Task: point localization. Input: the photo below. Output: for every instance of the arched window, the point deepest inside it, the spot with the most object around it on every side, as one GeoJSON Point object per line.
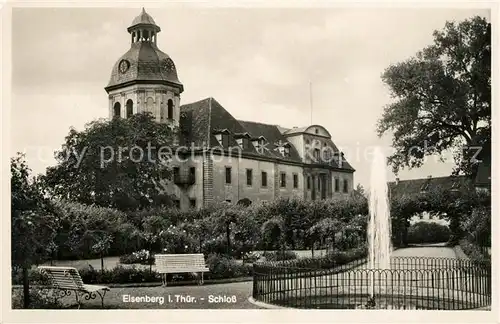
{"type": "Point", "coordinates": [130, 108]}
{"type": "Point", "coordinates": [170, 109]}
{"type": "Point", "coordinates": [116, 109]}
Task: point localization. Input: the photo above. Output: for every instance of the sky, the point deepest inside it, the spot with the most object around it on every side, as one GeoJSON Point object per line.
{"type": "Point", "coordinates": [256, 62]}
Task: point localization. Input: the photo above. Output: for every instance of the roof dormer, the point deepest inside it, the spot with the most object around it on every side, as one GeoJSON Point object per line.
{"type": "Point", "coordinates": [242, 139]}
{"type": "Point", "coordinates": [259, 143]}
{"type": "Point", "coordinates": [283, 148]}
{"type": "Point", "coordinates": [222, 136]}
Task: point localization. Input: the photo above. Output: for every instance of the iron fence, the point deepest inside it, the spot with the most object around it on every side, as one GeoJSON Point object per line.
{"type": "Point", "coordinates": [411, 283]}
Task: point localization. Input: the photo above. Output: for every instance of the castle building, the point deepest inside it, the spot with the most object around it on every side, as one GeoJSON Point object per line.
{"type": "Point", "coordinates": [225, 159]}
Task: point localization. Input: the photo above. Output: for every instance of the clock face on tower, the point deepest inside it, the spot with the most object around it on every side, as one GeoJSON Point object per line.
{"type": "Point", "coordinates": [168, 65]}
{"type": "Point", "coordinates": [124, 65]}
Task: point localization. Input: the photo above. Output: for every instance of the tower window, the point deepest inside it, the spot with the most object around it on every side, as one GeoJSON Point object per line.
{"type": "Point", "coordinates": [130, 108]}
{"type": "Point", "coordinates": [337, 184]}
{"type": "Point", "coordinates": [308, 183]}
{"type": "Point", "coordinates": [116, 109]}
{"type": "Point", "coordinates": [346, 185]}
{"type": "Point", "coordinates": [228, 175]}
{"type": "Point", "coordinates": [170, 109]}
{"type": "Point", "coordinates": [295, 181]}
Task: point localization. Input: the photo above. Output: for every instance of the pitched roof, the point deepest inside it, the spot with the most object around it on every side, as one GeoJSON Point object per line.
{"type": "Point", "coordinates": [415, 186]}
{"type": "Point", "coordinates": [273, 136]}
{"type": "Point", "coordinates": [201, 119]}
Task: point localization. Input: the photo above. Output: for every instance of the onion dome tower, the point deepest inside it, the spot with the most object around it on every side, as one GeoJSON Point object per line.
{"type": "Point", "coordinates": [145, 78]}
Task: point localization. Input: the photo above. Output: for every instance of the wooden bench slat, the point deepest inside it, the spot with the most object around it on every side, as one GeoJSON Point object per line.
{"type": "Point", "coordinates": [180, 263]}
{"type": "Point", "coordinates": [68, 278]}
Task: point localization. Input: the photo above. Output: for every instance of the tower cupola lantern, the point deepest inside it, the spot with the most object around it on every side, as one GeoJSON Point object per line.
{"type": "Point", "coordinates": [144, 79]}
{"type": "Point", "coordinates": [144, 28]}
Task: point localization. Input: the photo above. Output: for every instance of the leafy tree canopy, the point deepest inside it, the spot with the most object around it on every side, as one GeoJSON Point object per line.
{"type": "Point", "coordinates": [33, 221]}
{"type": "Point", "coordinates": [442, 98]}
{"type": "Point", "coordinates": [117, 163]}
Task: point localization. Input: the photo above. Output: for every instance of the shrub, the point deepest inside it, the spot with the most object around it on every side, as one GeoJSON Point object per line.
{"type": "Point", "coordinates": [426, 232]}
{"type": "Point", "coordinates": [216, 245]}
{"type": "Point", "coordinates": [250, 257]}
{"type": "Point", "coordinates": [38, 300]}
{"type": "Point", "coordinates": [473, 251]}
{"type": "Point", "coordinates": [141, 257]}
{"type": "Point", "coordinates": [222, 266]}
{"type": "Point", "coordinates": [331, 260]}
{"type": "Point", "coordinates": [279, 255]}
{"type": "Point", "coordinates": [119, 275]}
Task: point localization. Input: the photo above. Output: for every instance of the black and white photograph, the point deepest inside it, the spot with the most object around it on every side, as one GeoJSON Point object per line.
{"type": "Point", "coordinates": [194, 156]}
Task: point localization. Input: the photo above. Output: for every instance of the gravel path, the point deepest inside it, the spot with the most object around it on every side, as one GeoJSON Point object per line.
{"type": "Point", "coordinates": [231, 295]}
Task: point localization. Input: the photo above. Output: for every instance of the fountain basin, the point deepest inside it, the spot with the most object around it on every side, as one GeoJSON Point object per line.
{"type": "Point", "coordinates": [411, 283]}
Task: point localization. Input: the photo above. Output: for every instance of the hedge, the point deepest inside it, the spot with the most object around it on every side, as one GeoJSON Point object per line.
{"type": "Point", "coordinates": [221, 267]}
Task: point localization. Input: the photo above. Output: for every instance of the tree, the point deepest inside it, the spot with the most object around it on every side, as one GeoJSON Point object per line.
{"type": "Point", "coordinates": [33, 222]}
{"type": "Point", "coordinates": [88, 231]}
{"type": "Point", "coordinates": [359, 191]}
{"type": "Point", "coordinates": [442, 98]}
{"type": "Point", "coordinates": [119, 163]}
{"type": "Point", "coordinates": [153, 228]}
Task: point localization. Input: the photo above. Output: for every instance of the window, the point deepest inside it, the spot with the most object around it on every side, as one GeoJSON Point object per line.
{"type": "Point", "coordinates": [316, 130]}
{"type": "Point", "coordinates": [116, 109]}
{"type": "Point", "coordinates": [228, 175]}
{"type": "Point", "coordinates": [170, 109]}
{"type": "Point", "coordinates": [283, 180]}
{"type": "Point", "coordinates": [295, 181]}
{"type": "Point", "coordinates": [192, 173]}
{"type": "Point", "coordinates": [249, 177]}
{"type": "Point", "coordinates": [317, 156]}
{"type": "Point", "coordinates": [192, 203]}
{"type": "Point", "coordinates": [130, 108]}
{"type": "Point", "coordinates": [346, 185]}
{"type": "Point", "coordinates": [308, 183]}
{"type": "Point", "coordinates": [337, 184]}
{"type": "Point", "coordinates": [286, 152]}
{"type": "Point", "coordinates": [264, 179]}
{"type": "Point", "coordinates": [225, 140]}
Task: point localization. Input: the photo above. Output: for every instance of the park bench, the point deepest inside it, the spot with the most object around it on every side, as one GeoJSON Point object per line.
{"type": "Point", "coordinates": [180, 263]}
{"type": "Point", "coordinates": [67, 279]}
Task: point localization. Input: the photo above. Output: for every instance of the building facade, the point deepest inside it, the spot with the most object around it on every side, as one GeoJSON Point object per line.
{"type": "Point", "coordinates": [223, 159]}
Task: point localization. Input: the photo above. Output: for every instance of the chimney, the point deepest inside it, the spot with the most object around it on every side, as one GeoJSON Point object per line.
{"type": "Point", "coordinates": [397, 181]}
{"type": "Point", "coordinates": [429, 177]}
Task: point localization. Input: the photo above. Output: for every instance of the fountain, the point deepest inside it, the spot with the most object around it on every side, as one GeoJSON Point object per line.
{"type": "Point", "coordinates": [379, 224]}
{"type": "Point", "coordinates": [380, 281]}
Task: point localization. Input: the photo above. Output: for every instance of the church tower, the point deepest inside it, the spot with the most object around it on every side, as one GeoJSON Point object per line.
{"type": "Point", "coordinates": [145, 78]}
